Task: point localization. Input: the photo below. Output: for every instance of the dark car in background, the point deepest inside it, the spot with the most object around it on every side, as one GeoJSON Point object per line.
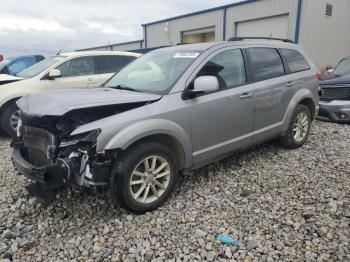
{"type": "Point", "coordinates": [335, 94]}
{"type": "Point", "coordinates": [10, 67]}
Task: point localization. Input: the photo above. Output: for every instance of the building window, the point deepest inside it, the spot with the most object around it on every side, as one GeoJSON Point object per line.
{"type": "Point", "coordinates": [198, 36]}
{"type": "Point", "coordinates": [329, 10]}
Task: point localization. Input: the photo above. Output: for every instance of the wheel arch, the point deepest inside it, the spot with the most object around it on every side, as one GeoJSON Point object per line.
{"type": "Point", "coordinates": [4, 105]}
{"type": "Point", "coordinates": [304, 97]}
{"type": "Point", "coordinates": [165, 131]}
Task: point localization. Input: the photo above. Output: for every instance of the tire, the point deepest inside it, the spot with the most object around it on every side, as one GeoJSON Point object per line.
{"type": "Point", "coordinates": [128, 168]}
{"type": "Point", "coordinates": [291, 139]}
{"type": "Point", "coordinates": [5, 120]}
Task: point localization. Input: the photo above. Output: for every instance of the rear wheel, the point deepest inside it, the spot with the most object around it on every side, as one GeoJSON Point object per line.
{"type": "Point", "coordinates": [299, 128]}
{"type": "Point", "coordinates": [144, 177]}
{"type": "Point", "coordinates": [9, 119]}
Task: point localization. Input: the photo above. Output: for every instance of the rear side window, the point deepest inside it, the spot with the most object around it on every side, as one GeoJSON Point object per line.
{"type": "Point", "coordinates": [265, 63]}
{"type": "Point", "coordinates": [294, 60]}
{"type": "Point", "coordinates": [112, 64]}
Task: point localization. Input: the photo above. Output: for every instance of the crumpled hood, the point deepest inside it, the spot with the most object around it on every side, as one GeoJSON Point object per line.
{"type": "Point", "coordinates": [336, 81]}
{"type": "Point", "coordinates": [60, 102]}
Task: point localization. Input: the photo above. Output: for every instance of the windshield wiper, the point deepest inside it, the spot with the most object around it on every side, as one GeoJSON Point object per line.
{"type": "Point", "coordinates": [123, 87]}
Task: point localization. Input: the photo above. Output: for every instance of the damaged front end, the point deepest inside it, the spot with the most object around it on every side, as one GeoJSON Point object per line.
{"type": "Point", "coordinates": [46, 152]}
{"type": "Point", "coordinates": [55, 159]}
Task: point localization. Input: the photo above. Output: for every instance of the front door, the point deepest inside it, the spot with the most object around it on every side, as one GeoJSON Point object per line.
{"type": "Point", "coordinates": [222, 121]}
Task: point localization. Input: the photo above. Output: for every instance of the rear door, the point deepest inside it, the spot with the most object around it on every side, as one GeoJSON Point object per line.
{"type": "Point", "coordinates": [108, 65]}
{"type": "Point", "coordinates": [77, 72]}
{"type": "Point", "coordinates": [272, 95]}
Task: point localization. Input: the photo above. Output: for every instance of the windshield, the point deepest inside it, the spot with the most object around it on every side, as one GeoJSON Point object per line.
{"type": "Point", "coordinates": [343, 68]}
{"type": "Point", "coordinates": [40, 67]}
{"type": "Point", "coordinates": [155, 72]}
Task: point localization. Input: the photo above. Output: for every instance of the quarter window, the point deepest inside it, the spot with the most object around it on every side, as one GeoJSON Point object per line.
{"type": "Point", "coordinates": [78, 67]}
{"type": "Point", "coordinates": [265, 63]}
{"type": "Point", "coordinates": [112, 64]}
{"type": "Point", "coordinates": [228, 67]}
{"type": "Point", "coordinates": [295, 61]}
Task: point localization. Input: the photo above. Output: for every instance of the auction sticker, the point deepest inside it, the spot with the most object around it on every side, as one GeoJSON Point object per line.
{"type": "Point", "coordinates": [186, 55]}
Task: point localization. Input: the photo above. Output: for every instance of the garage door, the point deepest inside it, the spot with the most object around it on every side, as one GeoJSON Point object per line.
{"type": "Point", "coordinates": [277, 26]}
{"type": "Point", "coordinates": [198, 36]}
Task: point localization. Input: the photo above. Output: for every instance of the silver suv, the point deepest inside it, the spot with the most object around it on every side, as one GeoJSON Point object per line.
{"type": "Point", "coordinates": [169, 112]}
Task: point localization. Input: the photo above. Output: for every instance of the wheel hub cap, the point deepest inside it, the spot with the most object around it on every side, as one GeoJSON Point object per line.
{"type": "Point", "coordinates": [149, 179]}
{"type": "Point", "coordinates": [300, 127]}
{"type": "Point", "coordinates": [14, 120]}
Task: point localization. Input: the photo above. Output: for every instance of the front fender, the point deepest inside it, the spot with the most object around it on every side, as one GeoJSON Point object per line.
{"type": "Point", "coordinates": [298, 97]}
{"type": "Point", "coordinates": [145, 128]}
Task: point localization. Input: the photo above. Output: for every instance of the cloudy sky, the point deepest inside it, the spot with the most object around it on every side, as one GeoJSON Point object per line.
{"type": "Point", "coordinates": [45, 26]}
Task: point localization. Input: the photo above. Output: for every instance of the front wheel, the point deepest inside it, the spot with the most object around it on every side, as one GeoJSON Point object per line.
{"type": "Point", "coordinates": [299, 128]}
{"type": "Point", "coordinates": [144, 177]}
{"type": "Point", "coordinates": [9, 119]}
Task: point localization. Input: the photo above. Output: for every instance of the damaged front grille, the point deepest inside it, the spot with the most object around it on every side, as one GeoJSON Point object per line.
{"type": "Point", "coordinates": [39, 144]}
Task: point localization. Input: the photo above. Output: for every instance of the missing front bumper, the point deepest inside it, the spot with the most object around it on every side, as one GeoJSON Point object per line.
{"type": "Point", "coordinates": [63, 172]}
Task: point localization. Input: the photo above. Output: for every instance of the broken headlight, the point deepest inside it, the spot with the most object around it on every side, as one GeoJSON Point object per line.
{"type": "Point", "coordinates": [87, 138]}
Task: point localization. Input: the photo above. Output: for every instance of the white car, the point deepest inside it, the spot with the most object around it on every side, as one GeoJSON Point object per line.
{"type": "Point", "coordinates": [67, 70]}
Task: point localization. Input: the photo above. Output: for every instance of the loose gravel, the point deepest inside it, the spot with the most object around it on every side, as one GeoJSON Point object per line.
{"type": "Point", "coordinates": [279, 204]}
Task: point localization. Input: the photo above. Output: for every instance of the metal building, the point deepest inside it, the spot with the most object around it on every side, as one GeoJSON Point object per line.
{"type": "Point", "coordinates": [319, 25]}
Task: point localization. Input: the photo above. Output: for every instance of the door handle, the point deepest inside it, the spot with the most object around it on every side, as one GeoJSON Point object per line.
{"type": "Point", "coordinates": [246, 95]}
{"type": "Point", "coordinates": [290, 83]}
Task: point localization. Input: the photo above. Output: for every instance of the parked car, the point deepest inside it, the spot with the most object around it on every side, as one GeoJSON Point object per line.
{"type": "Point", "coordinates": [9, 68]}
{"type": "Point", "coordinates": [335, 94]}
{"type": "Point", "coordinates": [69, 70]}
{"type": "Point", "coordinates": [172, 110]}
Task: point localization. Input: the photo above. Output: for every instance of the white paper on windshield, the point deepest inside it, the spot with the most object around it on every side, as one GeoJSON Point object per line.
{"type": "Point", "coordinates": [186, 55]}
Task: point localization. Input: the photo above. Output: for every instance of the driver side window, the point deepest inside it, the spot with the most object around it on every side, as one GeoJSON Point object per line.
{"type": "Point", "coordinates": [227, 67]}
{"type": "Point", "coordinates": [78, 67]}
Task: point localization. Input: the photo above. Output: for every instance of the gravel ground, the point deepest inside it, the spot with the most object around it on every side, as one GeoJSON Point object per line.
{"type": "Point", "coordinates": [279, 204]}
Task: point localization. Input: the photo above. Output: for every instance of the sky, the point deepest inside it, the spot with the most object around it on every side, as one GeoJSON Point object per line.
{"type": "Point", "coordinates": [46, 26]}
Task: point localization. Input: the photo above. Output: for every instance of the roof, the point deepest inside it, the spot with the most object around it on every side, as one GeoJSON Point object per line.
{"type": "Point", "coordinates": [81, 53]}
{"type": "Point", "coordinates": [242, 2]}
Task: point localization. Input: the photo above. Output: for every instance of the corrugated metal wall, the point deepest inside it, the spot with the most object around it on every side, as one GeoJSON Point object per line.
{"type": "Point", "coordinates": [325, 39]}
{"type": "Point", "coordinates": [158, 35]}
{"type": "Point", "coordinates": [126, 47]}
{"type": "Point", "coordinates": [261, 9]}
{"type": "Point", "coordinates": [116, 47]}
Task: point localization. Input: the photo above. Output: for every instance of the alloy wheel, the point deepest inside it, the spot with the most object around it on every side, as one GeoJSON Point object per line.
{"type": "Point", "coordinates": [14, 120]}
{"type": "Point", "coordinates": [300, 127]}
{"type": "Point", "coordinates": [150, 179]}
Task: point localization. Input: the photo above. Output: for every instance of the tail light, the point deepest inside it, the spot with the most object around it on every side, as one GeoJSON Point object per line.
{"type": "Point", "coordinates": [319, 75]}
{"type": "Point", "coordinates": [1, 57]}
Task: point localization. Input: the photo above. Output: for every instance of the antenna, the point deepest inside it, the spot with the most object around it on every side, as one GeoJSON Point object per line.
{"type": "Point", "coordinates": [270, 36]}
{"type": "Point", "coordinates": [59, 51]}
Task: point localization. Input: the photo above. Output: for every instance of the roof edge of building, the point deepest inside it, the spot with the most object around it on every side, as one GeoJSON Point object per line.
{"type": "Point", "coordinates": [201, 12]}
{"type": "Point", "coordinates": [117, 44]}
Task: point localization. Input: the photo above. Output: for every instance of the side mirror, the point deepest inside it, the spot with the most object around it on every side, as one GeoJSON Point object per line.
{"type": "Point", "coordinates": [54, 73]}
{"type": "Point", "coordinates": [202, 85]}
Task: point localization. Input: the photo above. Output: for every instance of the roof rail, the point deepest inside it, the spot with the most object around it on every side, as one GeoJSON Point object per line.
{"type": "Point", "coordinates": [265, 38]}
